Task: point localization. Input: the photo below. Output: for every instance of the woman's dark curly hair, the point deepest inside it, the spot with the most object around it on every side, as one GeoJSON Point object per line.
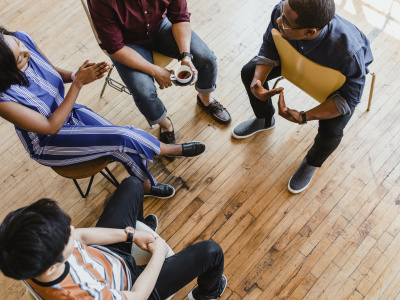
{"type": "Point", "coordinates": [9, 72]}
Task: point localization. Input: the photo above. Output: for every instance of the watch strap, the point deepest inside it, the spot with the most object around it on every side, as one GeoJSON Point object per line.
{"type": "Point", "coordinates": [303, 117]}
{"type": "Point", "coordinates": [129, 234]}
{"type": "Point", "coordinates": [183, 54]}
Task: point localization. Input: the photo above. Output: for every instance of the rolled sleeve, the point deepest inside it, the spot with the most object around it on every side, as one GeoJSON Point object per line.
{"type": "Point", "coordinates": [261, 60]}
{"type": "Point", "coordinates": [107, 28]}
{"type": "Point", "coordinates": [177, 11]}
{"type": "Point", "coordinates": [341, 105]}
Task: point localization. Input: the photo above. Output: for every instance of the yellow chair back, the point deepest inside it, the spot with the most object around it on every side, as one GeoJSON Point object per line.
{"type": "Point", "coordinates": [159, 59]}
{"type": "Point", "coordinates": [314, 79]}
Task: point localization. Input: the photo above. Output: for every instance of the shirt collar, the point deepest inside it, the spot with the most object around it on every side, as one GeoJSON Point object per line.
{"type": "Point", "coordinates": [308, 45]}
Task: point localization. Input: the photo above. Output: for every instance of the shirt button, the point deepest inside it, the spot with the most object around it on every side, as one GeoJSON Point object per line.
{"type": "Point", "coordinates": [148, 25]}
{"type": "Point", "coordinates": [145, 12]}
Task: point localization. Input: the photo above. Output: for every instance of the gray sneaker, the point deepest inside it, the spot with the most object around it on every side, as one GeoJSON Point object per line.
{"type": "Point", "coordinates": [301, 178]}
{"type": "Point", "coordinates": [248, 128]}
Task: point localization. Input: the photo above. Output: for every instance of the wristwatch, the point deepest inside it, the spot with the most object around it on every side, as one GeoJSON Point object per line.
{"type": "Point", "coordinates": [130, 232]}
{"type": "Point", "coordinates": [303, 117]}
{"type": "Point", "coordinates": [183, 54]}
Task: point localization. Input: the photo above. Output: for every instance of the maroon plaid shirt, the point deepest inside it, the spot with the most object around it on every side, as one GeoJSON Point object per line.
{"type": "Point", "coordinates": [120, 22]}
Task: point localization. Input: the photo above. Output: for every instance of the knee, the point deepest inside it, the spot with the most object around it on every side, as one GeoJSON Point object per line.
{"type": "Point", "coordinates": [212, 249]}
{"type": "Point", "coordinates": [132, 183]}
{"type": "Point", "coordinates": [247, 73]}
{"type": "Point", "coordinates": [330, 133]}
{"type": "Point", "coordinates": [206, 60]}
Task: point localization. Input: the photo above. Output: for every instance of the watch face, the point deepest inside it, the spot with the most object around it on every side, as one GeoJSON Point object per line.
{"type": "Point", "coordinates": [130, 229]}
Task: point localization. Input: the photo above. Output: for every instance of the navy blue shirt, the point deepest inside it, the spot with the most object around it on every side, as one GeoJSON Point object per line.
{"type": "Point", "coordinates": [340, 46]}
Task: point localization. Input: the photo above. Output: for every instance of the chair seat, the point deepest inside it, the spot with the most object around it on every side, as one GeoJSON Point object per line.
{"type": "Point", "coordinates": [84, 169]}
{"type": "Point", "coordinates": [161, 60]}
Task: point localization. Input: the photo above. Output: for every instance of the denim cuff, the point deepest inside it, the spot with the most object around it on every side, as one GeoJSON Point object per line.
{"type": "Point", "coordinates": [206, 91]}
{"type": "Point", "coordinates": [159, 119]}
{"type": "Point", "coordinates": [341, 105]}
{"type": "Point", "coordinates": [261, 60]}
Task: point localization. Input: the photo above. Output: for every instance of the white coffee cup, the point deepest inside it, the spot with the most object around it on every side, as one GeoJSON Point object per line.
{"type": "Point", "coordinates": [182, 74]}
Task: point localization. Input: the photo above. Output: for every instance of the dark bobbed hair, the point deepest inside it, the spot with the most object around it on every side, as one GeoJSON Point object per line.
{"type": "Point", "coordinates": [32, 239]}
{"type": "Point", "coordinates": [9, 72]}
{"type": "Point", "coordinates": [313, 13]}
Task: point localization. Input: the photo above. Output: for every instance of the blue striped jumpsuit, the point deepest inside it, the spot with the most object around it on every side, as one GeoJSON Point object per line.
{"type": "Point", "coordinates": [85, 135]}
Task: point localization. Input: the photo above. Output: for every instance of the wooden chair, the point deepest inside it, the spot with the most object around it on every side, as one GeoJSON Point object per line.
{"type": "Point", "coordinates": [159, 59]}
{"type": "Point", "coordinates": [142, 257]}
{"type": "Point", "coordinates": [87, 169]}
{"type": "Point", "coordinates": [316, 80]}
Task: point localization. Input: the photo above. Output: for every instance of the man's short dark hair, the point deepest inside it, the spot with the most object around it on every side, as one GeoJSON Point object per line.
{"type": "Point", "coordinates": [9, 72]}
{"type": "Point", "coordinates": [32, 239]}
{"type": "Point", "coordinates": [313, 13]}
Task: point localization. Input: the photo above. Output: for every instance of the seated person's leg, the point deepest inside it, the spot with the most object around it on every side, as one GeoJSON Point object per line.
{"type": "Point", "coordinates": [263, 110]}
{"type": "Point", "coordinates": [124, 209]}
{"type": "Point", "coordinates": [142, 87]}
{"type": "Point", "coordinates": [204, 61]}
{"type": "Point", "coordinates": [330, 133]}
{"type": "Point", "coordinates": [204, 260]}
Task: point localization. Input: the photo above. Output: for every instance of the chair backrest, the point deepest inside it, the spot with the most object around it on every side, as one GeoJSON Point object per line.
{"type": "Point", "coordinates": [159, 59]}
{"type": "Point", "coordinates": [316, 80]}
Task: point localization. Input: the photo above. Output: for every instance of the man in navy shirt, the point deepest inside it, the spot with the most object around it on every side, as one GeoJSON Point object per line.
{"type": "Point", "coordinates": [314, 30]}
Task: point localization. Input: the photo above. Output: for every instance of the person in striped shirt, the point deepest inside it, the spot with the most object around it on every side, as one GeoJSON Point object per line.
{"type": "Point", "coordinates": [56, 261]}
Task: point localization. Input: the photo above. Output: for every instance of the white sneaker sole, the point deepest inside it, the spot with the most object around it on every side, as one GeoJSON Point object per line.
{"type": "Point", "coordinates": [297, 191]}
{"type": "Point", "coordinates": [158, 197]}
{"type": "Point", "coordinates": [241, 137]}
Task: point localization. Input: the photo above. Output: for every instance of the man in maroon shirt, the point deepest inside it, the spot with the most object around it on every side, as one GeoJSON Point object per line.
{"type": "Point", "coordinates": [130, 30]}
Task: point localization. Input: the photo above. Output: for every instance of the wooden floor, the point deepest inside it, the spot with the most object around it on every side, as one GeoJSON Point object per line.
{"type": "Point", "coordinates": [340, 239]}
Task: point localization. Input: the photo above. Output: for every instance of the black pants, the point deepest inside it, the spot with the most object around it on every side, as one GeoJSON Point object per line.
{"type": "Point", "coordinates": [330, 132]}
{"type": "Point", "coordinates": [204, 260]}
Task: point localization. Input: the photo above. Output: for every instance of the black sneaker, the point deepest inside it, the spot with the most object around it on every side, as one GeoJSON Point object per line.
{"type": "Point", "coordinates": [195, 294]}
{"type": "Point", "coordinates": [161, 191]}
{"type": "Point", "coordinates": [151, 221]}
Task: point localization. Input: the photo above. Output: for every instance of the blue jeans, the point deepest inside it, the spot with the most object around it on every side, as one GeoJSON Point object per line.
{"type": "Point", "coordinates": [142, 85]}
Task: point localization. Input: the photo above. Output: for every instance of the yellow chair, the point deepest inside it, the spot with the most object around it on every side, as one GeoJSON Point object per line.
{"type": "Point", "coordinates": [316, 80]}
{"type": "Point", "coordinates": [159, 59]}
{"type": "Point", "coordinates": [142, 257]}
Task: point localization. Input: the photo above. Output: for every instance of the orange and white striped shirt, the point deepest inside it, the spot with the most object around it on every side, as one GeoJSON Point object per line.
{"type": "Point", "coordinates": [92, 272]}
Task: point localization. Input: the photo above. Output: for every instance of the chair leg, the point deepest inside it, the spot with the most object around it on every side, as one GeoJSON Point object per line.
{"type": "Point", "coordinates": [106, 82]}
{"type": "Point", "coordinates": [277, 81]}
{"type": "Point", "coordinates": [88, 188]}
{"type": "Point", "coordinates": [113, 180]}
{"type": "Point", "coordinates": [371, 92]}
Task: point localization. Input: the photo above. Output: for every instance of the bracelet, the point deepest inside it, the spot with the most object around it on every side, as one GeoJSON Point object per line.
{"type": "Point", "coordinates": [73, 75]}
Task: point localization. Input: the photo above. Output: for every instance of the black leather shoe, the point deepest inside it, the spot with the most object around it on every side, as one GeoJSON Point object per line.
{"type": "Point", "coordinates": [193, 149]}
{"type": "Point", "coordinates": [161, 191]}
{"type": "Point", "coordinates": [216, 111]}
{"type": "Point", "coordinates": [168, 137]}
{"type": "Point", "coordinates": [151, 221]}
